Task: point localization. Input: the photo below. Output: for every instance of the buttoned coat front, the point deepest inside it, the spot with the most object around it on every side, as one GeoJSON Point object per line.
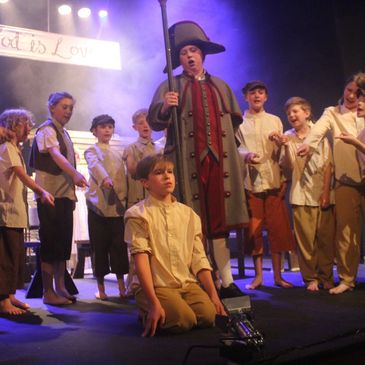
{"type": "Point", "coordinates": [229, 117]}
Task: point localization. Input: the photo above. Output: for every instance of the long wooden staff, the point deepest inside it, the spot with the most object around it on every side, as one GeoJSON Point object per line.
{"type": "Point", "coordinates": [175, 125]}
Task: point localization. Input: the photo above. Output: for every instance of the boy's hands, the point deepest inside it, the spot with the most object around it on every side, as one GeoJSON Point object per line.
{"type": "Point", "coordinates": [156, 316]}
{"type": "Point", "coordinates": [107, 183]}
{"type": "Point", "coordinates": [79, 180]}
{"type": "Point", "coordinates": [47, 198]}
{"type": "Point", "coordinates": [348, 138]}
{"type": "Point", "coordinates": [278, 138]}
{"type": "Point", "coordinates": [303, 150]}
{"type": "Point", "coordinates": [218, 305]}
{"type": "Point", "coordinates": [324, 200]}
{"type": "Point", "coordinates": [252, 158]}
{"type": "Point", "coordinates": [171, 98]}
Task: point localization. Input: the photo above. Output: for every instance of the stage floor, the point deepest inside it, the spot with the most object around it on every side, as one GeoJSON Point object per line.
{"type": "Point", "coordinates": [300, 327]}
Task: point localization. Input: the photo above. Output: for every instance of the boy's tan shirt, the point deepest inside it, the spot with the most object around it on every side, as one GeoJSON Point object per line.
{"type": "Point", "coordinates": [171, 235]}
{"type": "Point", "coordinates": [307, 173]}
{"type": "Point", "coordinates": [254, 134]}
{"type": "Point", "coordinates": [337, 120]}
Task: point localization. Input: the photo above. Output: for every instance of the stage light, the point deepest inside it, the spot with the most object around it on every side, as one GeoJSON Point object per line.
{"type": "Point", "coordinates": [64, 9]}
{"type": "Point", "coordinates": [103, 13]}
{"type": "Point", "coordinates": [3, 1]}
{"type": "Point", "coordinates": [84, 12]}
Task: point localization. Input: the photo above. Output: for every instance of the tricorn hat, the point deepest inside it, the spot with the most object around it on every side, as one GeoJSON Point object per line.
{"type": "Point", "coordinates": [185, 33]}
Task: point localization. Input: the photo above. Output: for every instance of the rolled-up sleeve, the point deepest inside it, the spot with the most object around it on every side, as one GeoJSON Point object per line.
{"type": "Point", "coordinates": [136, 235]}
{"type": "Point", "coordinates": [199, 260]}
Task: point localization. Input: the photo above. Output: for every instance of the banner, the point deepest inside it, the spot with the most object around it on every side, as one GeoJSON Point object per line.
{"type": "Point", "coordinates": [51, 47]}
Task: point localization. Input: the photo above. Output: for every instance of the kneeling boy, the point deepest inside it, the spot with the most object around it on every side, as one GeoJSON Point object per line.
{"type": "Point", "coordinates": [165, 241]}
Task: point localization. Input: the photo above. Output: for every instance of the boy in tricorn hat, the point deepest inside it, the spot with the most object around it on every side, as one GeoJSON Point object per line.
{"type": "Point", "coordinates": [208, 115]}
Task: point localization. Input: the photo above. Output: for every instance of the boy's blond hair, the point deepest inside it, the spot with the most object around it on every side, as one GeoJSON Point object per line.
{"type": "Point", "coordinates": [139, 113]}
{"type": "Point", "coordinates": [11, 118]}
{"type": "Point", "coordinates": [303, 103]}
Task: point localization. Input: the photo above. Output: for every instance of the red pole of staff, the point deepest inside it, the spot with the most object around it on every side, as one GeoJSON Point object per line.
{"type": "Point", "coordinates": [175, 125]}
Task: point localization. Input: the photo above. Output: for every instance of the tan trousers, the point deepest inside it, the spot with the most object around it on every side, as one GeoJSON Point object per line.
{"type": "Point", "coordinates": [314, 230]}
{"type": "Point", "coordinates": [185, 308]}
{"type": "Point", "coordinates": [350, 205]}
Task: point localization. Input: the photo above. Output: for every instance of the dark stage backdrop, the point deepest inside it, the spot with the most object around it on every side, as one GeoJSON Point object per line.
{"type": "Point", "coordinates": [305, 48]}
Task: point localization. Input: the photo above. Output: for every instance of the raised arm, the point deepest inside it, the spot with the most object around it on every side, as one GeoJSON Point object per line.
{"type": "Point", "coordinates": [318, 131]}
{"type": "Point", "coordinates": [350, 139]}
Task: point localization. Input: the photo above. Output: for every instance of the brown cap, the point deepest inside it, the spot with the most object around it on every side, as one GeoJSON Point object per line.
{"type": "Point", "coordinates": [102, 119]}
{"type": "Point", "coordinates": [252, 85]}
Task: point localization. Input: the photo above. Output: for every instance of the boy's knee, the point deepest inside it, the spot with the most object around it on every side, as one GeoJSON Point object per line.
{"type": "Point", "coordinates": [206, 317]}
{"type": "Point", "coordinates": [183, 321]}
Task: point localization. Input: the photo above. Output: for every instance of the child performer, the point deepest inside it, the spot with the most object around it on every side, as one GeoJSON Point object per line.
{"type": "Point", "coordinates": [13, 207]}
{"type": "Point", "coordinates": [264, 184]}
{"type": "Point", "coordinates": [165, 241]}
{"type": "Point", "coordinates": [135, 152]}
{"type": "Point", "coordinates": [208, 115]}
{"type": "Point", "coordinates": [106, 199]}
{"type": "Point", "coordinates": [311, 197]}
{"type": "Point", "coordinates": [53, 158]}
{"type": "Point", "coordinates": [359, 141]}
{"type": "Point", "coordinates": [349, 197]}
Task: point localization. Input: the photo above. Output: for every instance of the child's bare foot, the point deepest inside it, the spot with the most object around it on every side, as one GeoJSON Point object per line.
{"type": "Point", "coordinates": [339, 289]}
{"type": "Point", "coordinates": [255, 284]}
{"type": "Point", "coordinates": [284, 284]}
{"type": "Point", "coordinates": [313, 286]}
{"type": "Point", "coordinates": [54, 299]}
{"type": "Point", "coordinates": [18, 303]}
{"type": "Point", "coordinates": [64, 293]}
{"type": "Point", "coordinates": [101, 295]}
{"type": "Point", "coordinates": [6, 307]}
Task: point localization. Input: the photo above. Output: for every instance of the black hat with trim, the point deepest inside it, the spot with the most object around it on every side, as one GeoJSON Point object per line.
{"type": "Point", "coordinates": [186, 33]}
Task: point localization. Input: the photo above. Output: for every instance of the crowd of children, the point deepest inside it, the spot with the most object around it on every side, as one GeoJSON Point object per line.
{"type": "Point", "coordinates": [173, 247]}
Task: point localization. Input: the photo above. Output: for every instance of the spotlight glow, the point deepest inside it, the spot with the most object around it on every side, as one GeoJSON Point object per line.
{"type": "Point", "coordinates": [84, 12]}
{"type": "Point", "coordinates": [103, 13]}
{"type": "Point", "coordinates": [64, 9]}
{"type": "Point", "coordinates": [3, 1]}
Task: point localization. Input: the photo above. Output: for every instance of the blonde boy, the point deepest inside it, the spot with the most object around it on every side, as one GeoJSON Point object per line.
{"type": "Point", "coordinates": [311, 197]}
{"type": "Point", "coordinates": [135, 152]}
{"type": "Point", "coordinates": [165, 241]}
